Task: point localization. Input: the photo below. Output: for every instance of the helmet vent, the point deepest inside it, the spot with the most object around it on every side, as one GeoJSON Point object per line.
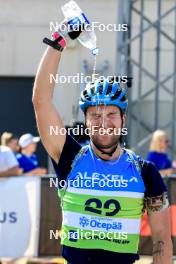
{"type": "Point", "coordinates": [85, 94]}
{"type": "Point", "coordinates": [109, 90]}
{"type": "Point", "coordinates": [101, 89]}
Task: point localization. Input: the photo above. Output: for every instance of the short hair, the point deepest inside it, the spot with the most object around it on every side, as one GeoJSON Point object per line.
{"type": "Point", "coordinates": [157, 136]}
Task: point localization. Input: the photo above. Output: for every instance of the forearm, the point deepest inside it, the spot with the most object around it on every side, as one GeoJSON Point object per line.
{"type": "Point", "coordinates": [163, 172]}
{"type": "Point", "coordinates": [11, 172]}
{"type": "Point", "coordinates": [167, 172]}
{"type": "Point", "coordinates": [162, 250]}
{"type": "Point", "coordinates": [43, 88]}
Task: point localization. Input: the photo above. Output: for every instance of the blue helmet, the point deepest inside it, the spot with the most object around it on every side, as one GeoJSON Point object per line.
{"type": "Point", "coordinates": [104, 91]}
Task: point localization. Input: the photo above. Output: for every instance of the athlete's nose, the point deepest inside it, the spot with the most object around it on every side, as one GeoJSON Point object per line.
{"type": "Point", "coordinates": [104, 121]}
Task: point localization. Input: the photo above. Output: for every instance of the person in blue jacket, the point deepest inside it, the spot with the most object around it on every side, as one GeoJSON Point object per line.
{"type": "Point", "coordinates": [157, 153]}
{"type": "Point", "coordinates": [27, 158]}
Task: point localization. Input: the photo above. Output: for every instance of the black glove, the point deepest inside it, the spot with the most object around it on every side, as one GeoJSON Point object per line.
{"type": "Point", "coordinates": [74, 34]}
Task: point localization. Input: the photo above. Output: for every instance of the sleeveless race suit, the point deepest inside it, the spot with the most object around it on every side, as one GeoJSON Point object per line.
{"type": "Point", "coordinates": [103, 203]}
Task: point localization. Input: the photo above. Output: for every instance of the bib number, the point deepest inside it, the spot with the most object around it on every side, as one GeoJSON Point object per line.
{"type": "Point", "coordinates": [94, 205]}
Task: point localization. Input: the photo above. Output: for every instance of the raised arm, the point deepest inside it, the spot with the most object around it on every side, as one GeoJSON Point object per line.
{"type": "Point", "coordinates": [45, 111]}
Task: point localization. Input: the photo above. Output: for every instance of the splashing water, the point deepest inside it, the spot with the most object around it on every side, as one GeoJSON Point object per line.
{"type": "Point", "coordinates": [94, 68]}
{"type": "Point", "coordinates": [94, 77]}
{"type": "Point", "coordinates": [95, 52]}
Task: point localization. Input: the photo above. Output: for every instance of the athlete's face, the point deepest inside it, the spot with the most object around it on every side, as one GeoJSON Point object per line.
{"type": "Point", "coordinates": [105, 123]}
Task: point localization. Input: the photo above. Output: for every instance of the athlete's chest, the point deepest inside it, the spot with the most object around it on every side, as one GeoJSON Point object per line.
{"type": "Point", "coordinates": [92, 173]}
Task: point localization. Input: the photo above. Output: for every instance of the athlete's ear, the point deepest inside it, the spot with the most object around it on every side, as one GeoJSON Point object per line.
{"type": "Point", "coordinates": [85, 121]}
{"type": "Point", "coordinates": [124, 118]}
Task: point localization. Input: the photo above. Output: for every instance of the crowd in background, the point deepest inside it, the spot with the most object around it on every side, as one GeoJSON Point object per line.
{"type": "Point", "coordinates": [18, 157]}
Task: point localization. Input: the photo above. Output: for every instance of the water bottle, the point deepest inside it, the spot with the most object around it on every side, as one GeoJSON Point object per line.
{"type": "Point", "coordinates": [75, 17]}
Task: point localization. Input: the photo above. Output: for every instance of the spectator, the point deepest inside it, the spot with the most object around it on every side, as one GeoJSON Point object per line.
{"type": "Point", "coordinates": [10, 140]}
{"type": "Point", "coordinates": [8, 163]}
{"type": "Point", "coordinates": [27, 159]}
{"type": "Point", "coordinates": [157, 153]}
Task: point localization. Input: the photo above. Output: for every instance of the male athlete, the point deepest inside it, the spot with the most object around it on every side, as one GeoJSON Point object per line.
{"type": "Point", "coordinates": [108, 187]}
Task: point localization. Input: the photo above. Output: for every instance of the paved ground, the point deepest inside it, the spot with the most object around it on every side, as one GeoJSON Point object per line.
{"type": "Point", "coordinates": [143, 260]}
